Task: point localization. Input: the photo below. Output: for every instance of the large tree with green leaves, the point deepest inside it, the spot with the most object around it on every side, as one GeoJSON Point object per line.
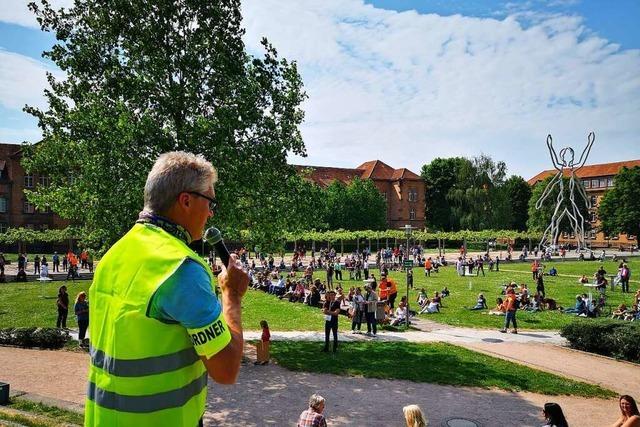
{"type": "Point", "coordinates": [357, 206]}
{"type": "Point", "coordinates": [146, 77]}
{"type": "Point", "coordinates": [539, 219]}
{"type": "Point", "coordinates": [619, 209]}
{"type": "Point", "coordinates": [440, 177]}
{"type": "Point", "coordinates": [517, 192]}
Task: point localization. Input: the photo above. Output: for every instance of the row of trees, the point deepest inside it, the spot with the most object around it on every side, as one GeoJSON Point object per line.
{"type": "Point", "coordinates": [474, 194]}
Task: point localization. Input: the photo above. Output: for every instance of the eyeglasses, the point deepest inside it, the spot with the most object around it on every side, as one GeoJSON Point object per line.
{"type": "Point", "coordinates": [213, 203]}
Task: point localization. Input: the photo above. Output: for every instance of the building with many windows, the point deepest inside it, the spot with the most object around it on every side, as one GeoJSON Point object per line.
{"type": "Point", "coordinates": [597, 179]}
{"type": "Point", "coordinates": [15, 209]}
{"type": "Point", "coordinates": [403, 189]}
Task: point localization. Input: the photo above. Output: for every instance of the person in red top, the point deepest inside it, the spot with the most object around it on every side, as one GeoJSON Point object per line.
{"type": "Point", "coordinates": [393, 292]}
{"type": "Point", "coordinates": [312, 417]}
{"type": "Point", "coordinates": [428, 266]}
{"type": "Point", "coordinates": [262, 349]}
{"type": "Point", "coordinates": [534, 269]}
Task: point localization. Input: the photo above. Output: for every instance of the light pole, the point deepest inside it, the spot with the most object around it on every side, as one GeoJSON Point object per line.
{"type": "Point", "coordinates": [408, 264]}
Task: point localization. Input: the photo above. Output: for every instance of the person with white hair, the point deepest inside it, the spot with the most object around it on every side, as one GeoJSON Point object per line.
{"type": "Point", "coordinates": [312, 416]}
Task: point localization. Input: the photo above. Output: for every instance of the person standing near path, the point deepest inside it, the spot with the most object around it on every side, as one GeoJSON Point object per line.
{"type": "Point", "coordinates": [510, 311]}
{"type": "Point", "coordinates": [630, 416]}
{"type": "Point", "coordinates": [371, 301]}
{"type": "Point", "coordinates": [540, 286]}
{"type": "Point", "coordinates": [56, 262]}
{"type": "Point", "coordinates": [312, 417]}
{"type": "Point", "coordinates": [81, 308]}
{"type": "Point", "coordinates": [554, 416]}
{"type": "Point", "coordinates": [625, 274]}
{"type": "Point", "coordinates": [63, 307]}
{"type": "Point", "coordinates": [263, 345]}
{"type": "Point", "coordinates": [331, 310]}
{"type": "Point", "coordinates": [157, 328]}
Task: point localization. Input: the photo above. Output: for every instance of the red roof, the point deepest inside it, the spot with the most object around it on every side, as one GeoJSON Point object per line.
{"type": "Point", "coordinates": [589, 171]}
{"type": "Point", "coordinates": [374, 169]}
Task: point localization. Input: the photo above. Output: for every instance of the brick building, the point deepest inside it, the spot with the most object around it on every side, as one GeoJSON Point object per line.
{"type": "Point", "coordinates": [403, 189]}
{"type": "Point", "coordinates": [597, 179]}
{"type": "Point", "coordinates": [15, 210]}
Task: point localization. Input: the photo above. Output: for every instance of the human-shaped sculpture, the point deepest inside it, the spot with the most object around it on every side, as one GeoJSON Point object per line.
{"type": "Point", "coordinates": [566, 165]}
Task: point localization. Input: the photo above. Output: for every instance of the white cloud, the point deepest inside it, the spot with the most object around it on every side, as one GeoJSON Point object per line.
{"type": "Point", "coordinates": [407, 87]}
{"type": "Point", "coordinates": [17, 12]}
{"type": "Point", "coordinates": [22, 80]}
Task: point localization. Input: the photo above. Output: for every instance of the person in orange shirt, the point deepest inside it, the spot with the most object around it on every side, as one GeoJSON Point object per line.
{"type": "Point", "coordinates": [391, 289]}
{"type": "Point", "coordinates": [383, 288]}
{"type": "Point", "coordinates": [510, 309]}
{"type": "Point", "coordinates": [534, 269]}
{"type": "Point", "coordinates": [428, 266]}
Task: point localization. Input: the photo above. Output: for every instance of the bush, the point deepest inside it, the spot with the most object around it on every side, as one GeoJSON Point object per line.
{"type": "Point", "coordinates": [50, 338]}
{"type": "Point", "coordinates": [607, 337]}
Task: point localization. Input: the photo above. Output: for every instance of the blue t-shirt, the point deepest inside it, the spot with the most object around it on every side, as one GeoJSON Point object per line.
{"type": "Point", "coordinates": [187, 298]}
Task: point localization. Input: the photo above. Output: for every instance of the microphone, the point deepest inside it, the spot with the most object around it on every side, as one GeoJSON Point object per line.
{"type": "Point", "coordinates": [214, 237]}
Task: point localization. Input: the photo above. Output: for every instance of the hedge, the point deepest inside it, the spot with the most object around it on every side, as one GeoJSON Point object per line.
{"type": "Point", "coordinates": [608, 337]}
{"type": "Point", "coordinates": [49, 338]}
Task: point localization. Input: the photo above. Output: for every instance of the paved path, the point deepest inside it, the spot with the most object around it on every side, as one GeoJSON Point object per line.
{"type": "Point", "coordinates": [271, 395]}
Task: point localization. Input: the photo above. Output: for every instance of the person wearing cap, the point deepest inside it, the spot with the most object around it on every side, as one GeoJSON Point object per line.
{"type": "Point", "coordinates": [510, 309]}
{"type": "Point", "coordinates": [331, 310]}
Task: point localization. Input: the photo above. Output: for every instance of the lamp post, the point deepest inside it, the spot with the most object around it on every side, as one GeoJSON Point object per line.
{"type": "Point", "coordinates": [408, 263]}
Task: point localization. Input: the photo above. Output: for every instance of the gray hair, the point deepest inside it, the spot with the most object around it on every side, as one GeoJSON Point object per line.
{"type": "Point", "coordinates": [174, 173]}
{"type": "Point", "coordinates": [315, 401]}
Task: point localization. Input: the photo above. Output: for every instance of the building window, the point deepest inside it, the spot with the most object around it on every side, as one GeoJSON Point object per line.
{"type": "Point", "coordinates": [603, 182]}
{"type": "Point", "coordinates": [592, 234]}
{"type": "Point", "coordinates": [43, 181]}
{"type": "Point", "coordinates": [594, 217]}
{"type": "Point", "coordinates": [29, 208]}
{"type": "Point", "coordinates": [594, 183]}
{"type": "Point", "coordinates": [412, 214]}
{"type": "Point", "coordinates": [610, 181]}
{"type": "Point", "coordinates": [413, 195]}
{"type": "Point", "coordinates": [594, 201]}
{"type": "Point", "coordinates": [3, 227]}
{"type": "Point", "coordinates": [565, 235]}
{"type": "Point", "coordinates": [586, 183]}
{"type": "Point", "coordinates": [3, 204]}
{"type": "Point", "coordinates": [384, 194]}
{"type": "Point", "coordinates": [631, 237]}
{"type": "Point", "coordinates": [28, 181]}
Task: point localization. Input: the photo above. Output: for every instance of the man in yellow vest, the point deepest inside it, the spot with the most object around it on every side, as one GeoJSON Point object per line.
{"type": "Point", "coordinates": [157, 329]}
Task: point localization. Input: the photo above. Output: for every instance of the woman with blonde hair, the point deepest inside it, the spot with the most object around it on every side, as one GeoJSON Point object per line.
{"type": "Point", "coordinates": [414, 417]}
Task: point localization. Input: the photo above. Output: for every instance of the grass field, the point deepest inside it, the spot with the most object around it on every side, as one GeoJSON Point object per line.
{"type": "Point", "coordinates": [437, 363]}
{"type": "Point", "coordinates": [33, 304]}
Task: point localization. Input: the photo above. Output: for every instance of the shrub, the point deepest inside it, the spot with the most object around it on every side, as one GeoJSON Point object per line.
{"type": "Point", "coordinates": [50, 338]}
{"type": "Point", "coordinates": [605, 336]}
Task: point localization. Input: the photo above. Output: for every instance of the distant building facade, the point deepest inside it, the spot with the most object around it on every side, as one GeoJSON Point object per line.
{"type": "Point", "coordinates": [403, 190]}
{"type": "Point", "coordinates": [15, 209]}
{"type": "Point", "coordinates": [597, 179]}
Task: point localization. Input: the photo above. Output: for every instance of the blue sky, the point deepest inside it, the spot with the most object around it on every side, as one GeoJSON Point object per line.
{"type": "Point", "coordinates": [405, 81]}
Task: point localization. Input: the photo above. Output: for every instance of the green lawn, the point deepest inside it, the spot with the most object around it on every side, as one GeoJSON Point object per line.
{"type": "Point", "coordinates": [437, 363]}
{"type": "Point", "coordinates": [21, 304]}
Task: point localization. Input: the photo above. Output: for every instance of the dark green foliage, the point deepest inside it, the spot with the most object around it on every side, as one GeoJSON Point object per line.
{"type": "Point", "coordinates": [539, 219]}
{"type": "Point", "coordinates": [143, 78]}
{"type": "Point", "coordinates": [357, 206]}
{"type": "Point", "coordinates": [518, 193]}
{"type": "Point", "coordinates": [440, 176]}
{"type": "Point", "coordinates": [619, 208]}
{"type": "Point", "coordinates": [608, 337]}
{"type": "Point", "coordinates": [48, 338]}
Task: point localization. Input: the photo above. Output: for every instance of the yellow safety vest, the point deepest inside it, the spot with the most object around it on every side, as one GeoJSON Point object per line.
{"type": "Point", "coordinates": [143, 372]}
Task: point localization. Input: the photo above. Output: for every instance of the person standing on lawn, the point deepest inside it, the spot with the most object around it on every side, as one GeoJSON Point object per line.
{"type": "Point", "coordinates": [331, 310]}
{"type": "Point", "coordinates": [510, 309]}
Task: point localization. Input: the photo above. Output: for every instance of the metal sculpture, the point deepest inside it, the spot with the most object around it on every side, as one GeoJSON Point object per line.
{"type": "Point", "coordinates": [566, 166]}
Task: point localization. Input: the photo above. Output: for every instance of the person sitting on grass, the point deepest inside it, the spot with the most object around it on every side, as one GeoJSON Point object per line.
{"type": "Point", "coordinates": [481, 303]}
{"type": "Point", "coordinates": [499, 308]}
{"type": "Point", "coordinates": [430, 307]}
{"type": "Point", "coordinates": [314, 297]}
{"type": "Point", "coordinates": [580, 307]}
{"type": "Point", "coordinates": [583, 280]}
{"type": "Point", "coordinates": [21, 276]}
{"type": "Point", "coordinates": [401, 314]}
{"type": "Point", "coordinates": [445, 292]}
{"type": "Point", "coordinates": [633, 314]}
{"type": "Point", "coordinates": [422, 298]}
{"type": "Point", "coordinates": [619, 312]}
{"type": "Point", "coordinates": [553, 271]}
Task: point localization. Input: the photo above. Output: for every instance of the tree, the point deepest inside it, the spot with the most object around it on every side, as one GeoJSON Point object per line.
{"type": "Point", "coordinates": [539, 219]}
{"type": "Point", "coordinates": [440, 176]}
{"type": "Point", "coordinates": [144, 78]}
{"type": "Point", "coordinates": [619, 209]}
{"type": "Point", "coordinates": [518, 194]}
{"type": "Point", "coordinates": [357, 206]}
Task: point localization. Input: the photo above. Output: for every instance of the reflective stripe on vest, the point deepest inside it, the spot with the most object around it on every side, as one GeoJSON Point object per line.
{"type": "Point", "coordinates": [143, 367]}
{"type": "Point", "coordinates": [146, 403]}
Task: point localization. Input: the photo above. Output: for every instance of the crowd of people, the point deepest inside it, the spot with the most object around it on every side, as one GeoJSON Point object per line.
{"type": "Point", "coordinates": [69, 262]}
